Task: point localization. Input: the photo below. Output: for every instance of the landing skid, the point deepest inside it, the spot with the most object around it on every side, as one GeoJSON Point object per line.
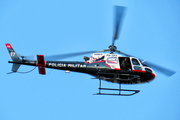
{"type": "Point", "coordinates": [120, 90]}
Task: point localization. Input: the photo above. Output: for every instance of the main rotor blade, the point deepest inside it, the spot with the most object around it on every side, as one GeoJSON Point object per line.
{"type": "Point", "coordinates": [122, 53]}
{"type": "Point", "coordinates": [163, 70]}
{"type": "Point", "coordinates": [62, 56]}
{"type": "Point", "coordinates": [119, 14]}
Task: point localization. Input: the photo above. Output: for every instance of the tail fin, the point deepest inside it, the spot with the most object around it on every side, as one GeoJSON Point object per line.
{"type": "Point", "coordinates": [12, 53]}
{"type": "Point", "coordinates": [14, 57]}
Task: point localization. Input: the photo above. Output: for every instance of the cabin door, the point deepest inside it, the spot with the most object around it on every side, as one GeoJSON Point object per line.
{"type": "Point", "coordinates": [125, 65]}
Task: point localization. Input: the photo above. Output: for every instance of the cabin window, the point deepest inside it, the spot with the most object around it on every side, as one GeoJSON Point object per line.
{"type": "Point", "coordinates": [137, 68]}
{"type": "Point", "coordinates": [147, 69]}
{"type": "Point", "coordinates": [135, 61]}
{"type": "Point", "coordinates": [112, 60]}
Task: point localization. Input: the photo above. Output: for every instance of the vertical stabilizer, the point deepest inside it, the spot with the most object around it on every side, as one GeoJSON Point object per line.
{"type": "Point", "coordinates": [12, 53]}
{"type": "Point", "coordinates": [14, 57]}
{"type": "Point", "coordinates": [15, 67]}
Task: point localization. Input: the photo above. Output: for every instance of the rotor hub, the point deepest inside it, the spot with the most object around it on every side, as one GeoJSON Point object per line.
{"type": "Point", "coordinates": [112, 48]}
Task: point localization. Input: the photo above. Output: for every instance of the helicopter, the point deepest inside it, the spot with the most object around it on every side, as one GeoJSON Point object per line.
{"type": "Point", "coordinates": [110, 67]}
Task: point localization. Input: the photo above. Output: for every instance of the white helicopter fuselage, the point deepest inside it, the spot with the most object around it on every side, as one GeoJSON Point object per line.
{"type": "Point", "coordinates": [114, 61]}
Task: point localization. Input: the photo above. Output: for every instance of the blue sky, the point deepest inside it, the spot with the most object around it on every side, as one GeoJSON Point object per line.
{"type": "Point", "coordinates": [150, 30]}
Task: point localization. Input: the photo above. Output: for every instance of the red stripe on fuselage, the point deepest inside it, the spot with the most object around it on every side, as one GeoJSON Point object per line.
{"type": "Point", "coordinates": [117, 68]}
{"type": "Point", "coordinates": [154, 75]}
{"type": "Point", "coordinates": [94, 62]}
{"type": "Point", "coordinates": [108, 65]}
{"type": "Point", "coordinates": [112, 62]}
{"type": "Point", "coordinates": [139, 71]}
{"type": "Point", "coordinates": [86, 62]}
{"type": "Point", "coordinates": [144, 72]}
{"type": "Point", "coordinates": [98, 61]}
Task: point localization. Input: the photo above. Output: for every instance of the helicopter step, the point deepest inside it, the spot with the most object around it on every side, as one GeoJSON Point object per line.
{"type": "Point", "coordinates": [132, 92]}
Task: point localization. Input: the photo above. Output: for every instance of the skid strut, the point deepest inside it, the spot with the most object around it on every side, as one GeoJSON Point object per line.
{"type": "Point", "coordinates": [112, 89]}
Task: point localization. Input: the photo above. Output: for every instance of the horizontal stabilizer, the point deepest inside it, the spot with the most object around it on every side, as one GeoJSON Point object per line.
{"type": "Point", "coordinates": [42, 70]}
{"type": "Point", "coordinates": [41, 64]}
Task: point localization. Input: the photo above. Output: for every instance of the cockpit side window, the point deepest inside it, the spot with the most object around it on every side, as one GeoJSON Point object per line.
{"type": "Point", "coordinates": [136, 64]}
{"type": "Point", "coordinates": [112, 60]}
{"type": "Point", "coordinates": [135, 61]}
